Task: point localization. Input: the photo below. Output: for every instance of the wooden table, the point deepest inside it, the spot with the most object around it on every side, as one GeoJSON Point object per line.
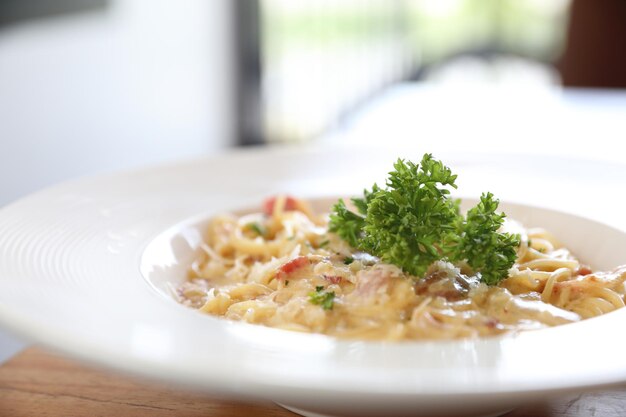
{"type": "Point", "coordinates": [39, 383]}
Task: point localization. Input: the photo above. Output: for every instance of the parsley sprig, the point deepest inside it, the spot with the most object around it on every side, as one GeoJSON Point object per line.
{"type": "Point", "coordinates": [413, 222]}
{"type": "Point", "coordinates": [326, 299]}
{"type": "Point", "coordinates": [479, 243]}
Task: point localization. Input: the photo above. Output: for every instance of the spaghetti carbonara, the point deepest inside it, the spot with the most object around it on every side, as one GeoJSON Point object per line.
{"type": "Point", "coordinates": [283, 269]}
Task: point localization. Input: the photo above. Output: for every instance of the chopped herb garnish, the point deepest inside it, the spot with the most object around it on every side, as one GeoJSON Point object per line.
{"type": "Point", "coordinates": [413, 222]}
{"type": "Point", "coordinates": [324, 243]}
{"type": "Point", "coordinates": [348, 260]}
{"type": "Point", "coordinates": [257, 228]}
{"type": "Point", "coordinates": [326, 299]}
{"type": "Point", "coordinates": [286, 283]}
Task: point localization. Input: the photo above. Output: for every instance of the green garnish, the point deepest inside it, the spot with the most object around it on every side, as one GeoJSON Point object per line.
{"type": "Point", "coordinates": [348, 260]}
{"type": "Point", "coordinates": [257, 228]}
{"type": "Point", "coordinates": [413, 222]}
{"type": "Point", "coordinates": [326, 299]}
{"type": "Point", "coordinates": [348, 225]}
{"type": "Point", "coordinates": [324, 243]}
{"type": "Point", "coordinates": [487, 251]}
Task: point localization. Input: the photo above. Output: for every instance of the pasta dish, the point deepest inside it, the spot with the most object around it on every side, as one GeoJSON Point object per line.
{"type": "Point", "coordinates": [283, 268]}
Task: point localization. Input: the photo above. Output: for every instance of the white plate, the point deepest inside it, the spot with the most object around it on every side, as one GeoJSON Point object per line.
{"type": "Point", "coordinates": [72, 257]}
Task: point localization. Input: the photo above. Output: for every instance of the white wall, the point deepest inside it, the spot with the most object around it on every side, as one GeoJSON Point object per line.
{"type": "Point", "coordinates": [142, 82]}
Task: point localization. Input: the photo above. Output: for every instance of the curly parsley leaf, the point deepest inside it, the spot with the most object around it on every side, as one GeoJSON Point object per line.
{"type": "Point", "coordinates": [487, 251]}
{"type": "Point", "coordinates": [409, 223]}
{"type": "Point", "coordinates": [413, 222]}
{"type": "Point", "coordinates": [362, 203]}
{"type": "Point", "coordinates": [347, 224]}
{"type": "Point", "coordinates": [326, 299]}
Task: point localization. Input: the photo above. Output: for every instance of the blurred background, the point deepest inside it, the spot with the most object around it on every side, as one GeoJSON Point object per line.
{"type": "Point", "coordinates": [99, 85]}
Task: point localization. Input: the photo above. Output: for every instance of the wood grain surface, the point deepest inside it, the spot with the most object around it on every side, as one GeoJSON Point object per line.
{"type": "Point", "coordinates": [39, 383]}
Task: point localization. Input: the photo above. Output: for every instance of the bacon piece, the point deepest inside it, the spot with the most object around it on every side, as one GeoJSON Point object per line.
{"type": "Point", "coordinates": [333, 279]}
{"type": "Point", "coordinates": [584, 270]}
{"type": "Point", "coordinates": [290, 205]}
{"type": "Point", "coordinates": [290, 267]}
{"type": "Point", "coordinates": [492, 323]}
{"type": "Point", "coordinates": [440, 284]}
